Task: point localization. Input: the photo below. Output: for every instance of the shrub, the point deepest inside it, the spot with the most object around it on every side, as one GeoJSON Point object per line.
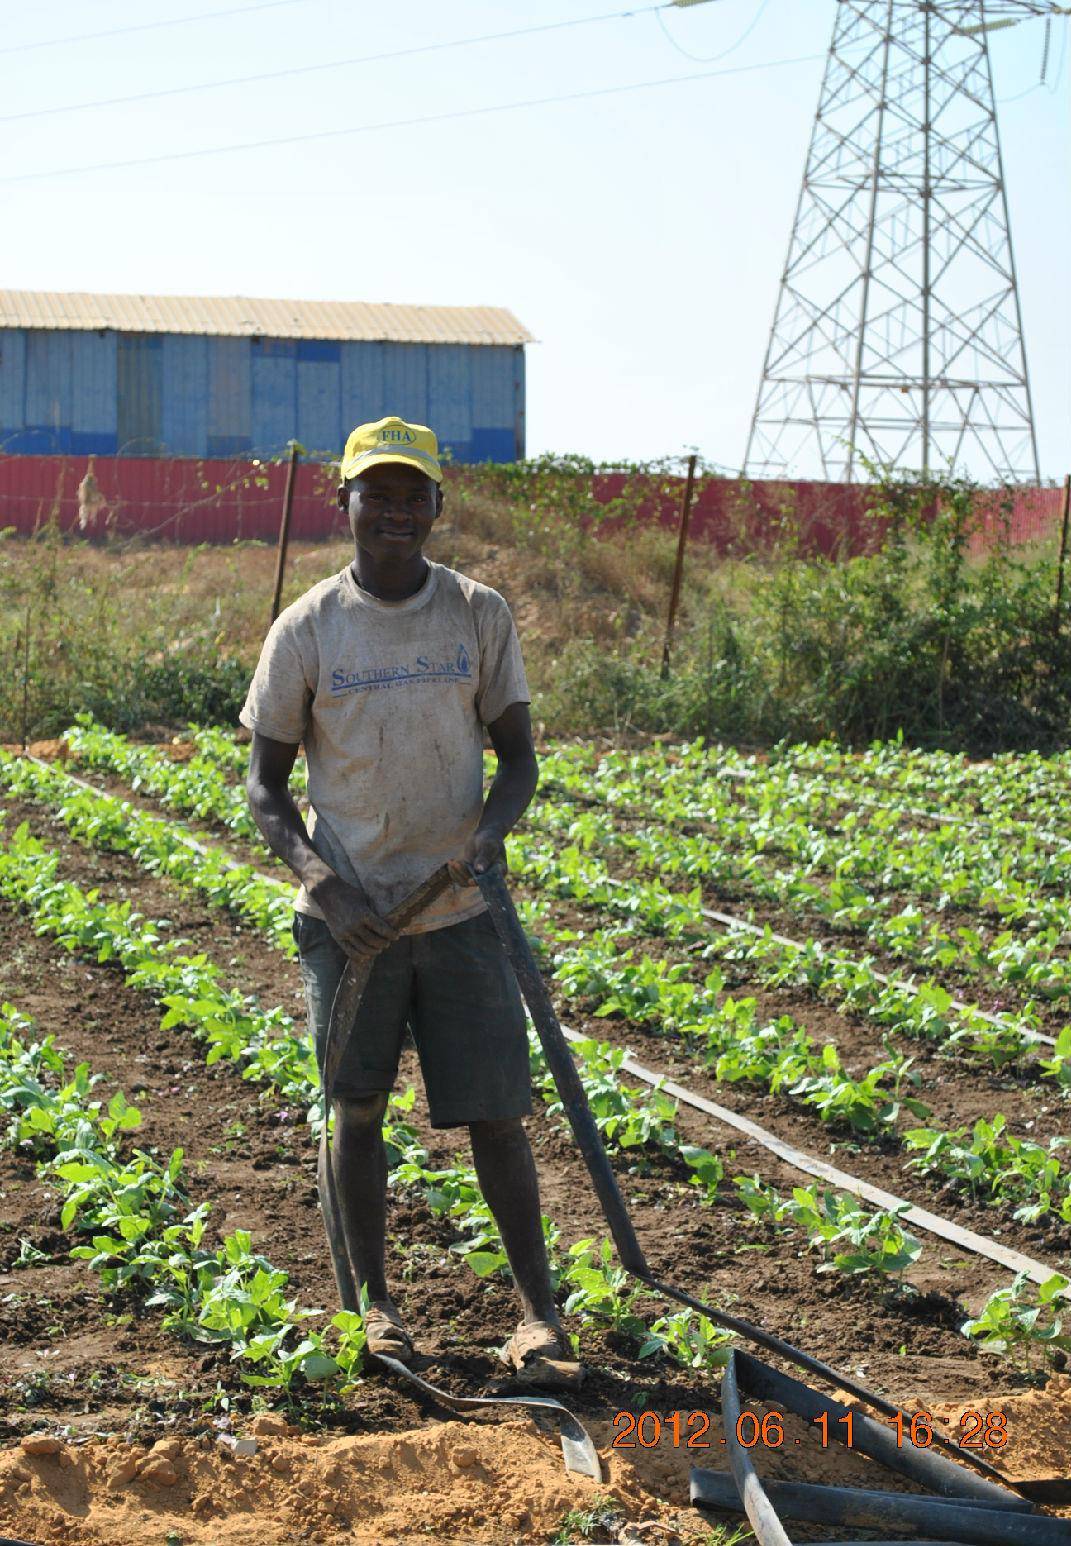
{"type": "Point", "coordinates": [944, 633]}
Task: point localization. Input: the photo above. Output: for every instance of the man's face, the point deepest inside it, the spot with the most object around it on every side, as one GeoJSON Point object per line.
{"type": "Point", "coordinates": [391, 508]}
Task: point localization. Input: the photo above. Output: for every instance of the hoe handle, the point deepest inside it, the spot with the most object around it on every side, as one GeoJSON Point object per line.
{"type": "Point", "coordinates": [492, 884]}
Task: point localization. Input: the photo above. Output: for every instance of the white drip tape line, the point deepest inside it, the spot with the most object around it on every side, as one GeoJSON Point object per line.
{"type": "Point", "coordinates": [966, 1239]}
{"type": "Point", "coordinates": [741, 925]}
{"type": "Point", "coordinates": [811, 1165]}
{"type": "Point", "coordinates": [186, 838]}
{"type": "Point", "coordinates": [990, 826]}
{"type": "Point", "coordinates": [999, 1021]}
{"type": "Point", "coordinates": [664, 822]}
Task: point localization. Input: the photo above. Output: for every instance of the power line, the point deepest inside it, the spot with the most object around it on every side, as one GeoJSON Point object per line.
{"type": "Point", "coordinates": [402, 123]}
{"type": "Point", "coordinates": [1008, 7]}
{"type": "Point", "coordinates": [711, 58]}
{"type": "Point", "coordinates": [328, 64]}
{"type": "Point", "coordinates": [149, 26]}
{"type": "Point", "coordinates": [1040, 84]}
{"type": "Point", "coordinates": [1058, 73]}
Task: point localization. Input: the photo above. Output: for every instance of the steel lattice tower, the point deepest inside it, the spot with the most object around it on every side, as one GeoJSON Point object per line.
{"type": "Point", "coordinates": [897, 335]}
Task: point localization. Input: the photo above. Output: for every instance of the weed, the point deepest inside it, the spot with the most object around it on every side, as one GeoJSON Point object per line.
{"type": "Point", "coordinates": [29, 1255]}
{"type": "Point", "coordinates": [600, 1520]}
{"type": "Point", "coordinates": [34, 1388]}
{"type": "Point", "coordinates": [918, 635]}
{"type": "Point", "coordinates": [722, 1535]}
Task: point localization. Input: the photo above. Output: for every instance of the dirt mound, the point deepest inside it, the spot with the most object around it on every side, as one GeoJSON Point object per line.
{"type": "Point", "coordinates": [1036, 1425]}
{"type": "Point", "coordinates": [51, 750]}
{"type": "Point", "coordinates": [179, 750]}
{"type": "Point", "coordinates": [478, 1482]}
{"type": "Point", "coordinates": [458, 1482]}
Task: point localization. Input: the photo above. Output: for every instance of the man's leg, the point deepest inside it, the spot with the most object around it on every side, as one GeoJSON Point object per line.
{"type": "Point", "coordinates": [370, 1063]}
{"type": "Point", "coordinates": [469, 1027]}
{"type": "Point", "coordinates": [507, 1174]}
{"type": "Point", "coordinates": [360, 1169]}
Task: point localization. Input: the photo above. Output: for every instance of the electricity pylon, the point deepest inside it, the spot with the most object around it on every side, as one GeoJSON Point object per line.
{"type": "Point", "coordinates": [898, 336]}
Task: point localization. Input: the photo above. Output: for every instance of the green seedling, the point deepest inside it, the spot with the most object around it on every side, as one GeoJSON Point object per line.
{"type": "Point", "coordinates": [856, 1242]}
{"type": "Point", "coordinates": [1024, 1320]}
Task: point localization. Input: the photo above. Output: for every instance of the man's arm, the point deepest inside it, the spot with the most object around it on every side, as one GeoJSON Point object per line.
{"type": "Point", "coordinates": [357, 928]}
{"type": "Point", "coordinates": [510, 793]}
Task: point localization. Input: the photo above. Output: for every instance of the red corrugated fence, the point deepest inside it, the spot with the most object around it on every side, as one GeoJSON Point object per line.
{"type": "Point", "coordinates": [187, 501]}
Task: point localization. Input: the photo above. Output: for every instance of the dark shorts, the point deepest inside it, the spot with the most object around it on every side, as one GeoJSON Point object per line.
{"type": "Point", "coordinates": [455, 989]}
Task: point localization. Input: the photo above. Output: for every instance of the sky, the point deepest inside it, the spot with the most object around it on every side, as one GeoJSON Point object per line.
{"type": "Point", "coordinates": [638, 234]}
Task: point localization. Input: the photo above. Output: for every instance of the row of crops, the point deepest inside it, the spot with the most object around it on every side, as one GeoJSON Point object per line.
{"type": "Point", "coordinates": [636, 846]}
{"type": "Point", "coordinates": [132, 1207]}
{"type": "Point", "coordinates": [764, 844]}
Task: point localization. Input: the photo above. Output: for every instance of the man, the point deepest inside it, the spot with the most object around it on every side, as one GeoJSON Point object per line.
{"type": "Point", "coordinates": [389, 672]}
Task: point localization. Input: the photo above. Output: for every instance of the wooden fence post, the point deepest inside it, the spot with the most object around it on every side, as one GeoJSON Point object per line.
{"type": "Point", "coordinates": [284, 530]}
{"type": "Point", "coordinates": [1063, 555]}
{"type": "Point", "coordinates": [678, 568]}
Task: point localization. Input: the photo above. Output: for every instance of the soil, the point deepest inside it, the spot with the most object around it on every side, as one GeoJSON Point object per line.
{"type": "Point", "coordinates": [957, 1091]}
{"type": "Point", "coordinates": [379, 1466]}
{"type": "Point", "coordinates": [478, 1481]}
{"type": "Point", "coordinates": [475, 1481]}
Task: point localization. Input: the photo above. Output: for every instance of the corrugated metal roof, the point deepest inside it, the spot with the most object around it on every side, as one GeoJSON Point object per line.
{"type": "Point", "coordinates": [237, 316]}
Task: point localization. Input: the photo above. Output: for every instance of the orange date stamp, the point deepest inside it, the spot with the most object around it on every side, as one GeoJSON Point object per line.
{"type": "Point", "coordinates": [702, 1430]}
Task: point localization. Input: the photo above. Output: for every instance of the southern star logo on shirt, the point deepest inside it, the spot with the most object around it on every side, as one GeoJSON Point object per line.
{"type": "Point", "coordinates": [423, 669]}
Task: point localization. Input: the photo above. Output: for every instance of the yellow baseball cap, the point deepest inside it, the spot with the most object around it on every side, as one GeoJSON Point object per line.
{"type": "Point", "coordinates": [391, 440]}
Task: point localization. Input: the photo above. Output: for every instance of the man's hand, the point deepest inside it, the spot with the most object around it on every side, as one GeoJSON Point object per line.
{"type": "Point", "coordinates": [358, 929]}
{"type": "Point", "coordinates": [484, 849]}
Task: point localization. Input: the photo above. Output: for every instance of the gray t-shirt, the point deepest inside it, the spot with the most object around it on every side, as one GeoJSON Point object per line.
{"type": "Point", "coordinates": [390, 699]}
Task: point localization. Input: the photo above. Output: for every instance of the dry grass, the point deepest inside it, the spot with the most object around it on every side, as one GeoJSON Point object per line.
{"type": "Point", "coordinates": [767, 647]}
{"type": "Point", "coordinates": [562, 583]}
{"type": "Point", "coordinates": [135, 631]}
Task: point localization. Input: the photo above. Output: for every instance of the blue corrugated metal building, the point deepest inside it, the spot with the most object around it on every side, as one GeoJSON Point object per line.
{"type": "Point", "coordinates": [203, 376]}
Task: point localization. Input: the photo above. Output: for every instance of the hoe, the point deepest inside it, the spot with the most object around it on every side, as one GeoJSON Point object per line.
{"type": "Point", "coordinates": [959, 1505]}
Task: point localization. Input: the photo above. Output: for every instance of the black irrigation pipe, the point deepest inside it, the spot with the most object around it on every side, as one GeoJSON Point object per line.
{"type": "Point", "coordinates": [878, 1441]}
{"type": "Point", "coordinates": [960, 1507]}
{"type": "Point", "coordinates": [985, 1523]}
